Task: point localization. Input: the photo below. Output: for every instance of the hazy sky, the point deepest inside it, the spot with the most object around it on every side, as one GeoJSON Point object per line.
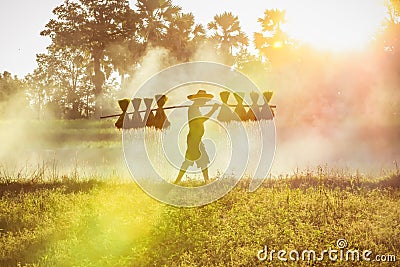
{"type": "Point", "coordinates": [22, 21]}
{"type": "Point", "coordinates": [328, 24]}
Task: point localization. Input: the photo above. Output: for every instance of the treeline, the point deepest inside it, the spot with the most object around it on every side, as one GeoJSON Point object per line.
{"type": "Point", "coordinates": [97, 45]}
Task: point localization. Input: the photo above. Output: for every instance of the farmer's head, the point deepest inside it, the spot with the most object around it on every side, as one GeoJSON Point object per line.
{"type": "Point", "coordinates": [201, 97]}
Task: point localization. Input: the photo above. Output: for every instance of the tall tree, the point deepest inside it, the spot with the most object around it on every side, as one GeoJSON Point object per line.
{"type": "Point", "coordinates": [9, 86]}
{"type": "Point", "coordinates": [41, 88]}
{"type": "Point", "coordinates": [390, 37]}
{"type": "Point", "coordinates": [184, 36]}
{"type": "Point", "coordinates": [91, 25]}
{"type": "Point", "coordinates": [389, 40]}
{"type": "Point", "coordinates": [12, 95]}
{"type": "Point", "coordinates": [125, 56]}
{"type": "Point", "coordinates": [61, 83]}
{"type": "Point", "coordinates": [155, 17]}
{"type": "Point", "coordinates": [272, 42]}
{"type": "Point", "coordinates": [393, 11]}
{"type": "Point", "coordinates": [227, 33]}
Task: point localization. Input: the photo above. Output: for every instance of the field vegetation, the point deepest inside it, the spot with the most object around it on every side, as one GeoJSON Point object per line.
{"type": "Point", "coordinates": [94, 222]}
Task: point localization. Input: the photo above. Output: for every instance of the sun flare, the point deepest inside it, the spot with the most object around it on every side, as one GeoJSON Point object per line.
{"type": "Point", "coordinates": [336, 25]}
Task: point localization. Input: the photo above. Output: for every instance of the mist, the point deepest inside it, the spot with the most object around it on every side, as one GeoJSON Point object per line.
{"type": "Point", "coordinates": [339, 111]}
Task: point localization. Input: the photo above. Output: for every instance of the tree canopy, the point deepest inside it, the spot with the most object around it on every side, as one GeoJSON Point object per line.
{"type": "Point", "coordinates": [92, 41]}
{"type": "Point", "coordinates": [91, 26]}
{"type": "Point", "coordinates": [227, 33]}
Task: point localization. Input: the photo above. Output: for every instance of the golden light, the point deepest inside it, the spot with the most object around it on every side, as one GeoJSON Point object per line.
{"type": "Point", "coordinates": [334, 24]}
{"type": "Point", "coordinates": [277, 44]}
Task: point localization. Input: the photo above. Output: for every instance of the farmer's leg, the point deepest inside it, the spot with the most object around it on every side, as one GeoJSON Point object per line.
{"type": "Point", "coordinates": [203, 162]}
{"type": "Point", "coordinates": [182, 171]}
{"type": "Point", "coordinates": [205, 175]}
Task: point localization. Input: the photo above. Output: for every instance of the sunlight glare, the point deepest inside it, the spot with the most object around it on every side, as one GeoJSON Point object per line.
{"type": "Point", "coordinates": [334, 24]}
{"type": "Point", "coordinates": [277, 44]}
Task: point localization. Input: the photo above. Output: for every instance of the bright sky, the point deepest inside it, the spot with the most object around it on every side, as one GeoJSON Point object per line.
{"type": "Point", "coordinates": [328, 24]}
{"type": "Point", "coordinates": [22, 21]}
{"type": "Point", "coordinates": [335, 24]}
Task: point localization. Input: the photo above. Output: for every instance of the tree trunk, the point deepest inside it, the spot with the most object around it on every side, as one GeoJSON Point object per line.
{"type": "Point", "coordinates": [98, 81]}
{"type": "Point", "coordinates": [122, 73]}
{"type": "Point", "coordinates": [39, 105]}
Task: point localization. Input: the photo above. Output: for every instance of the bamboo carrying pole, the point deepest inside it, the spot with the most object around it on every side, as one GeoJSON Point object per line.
{"type": "Point", "coordinates": [183, 106]}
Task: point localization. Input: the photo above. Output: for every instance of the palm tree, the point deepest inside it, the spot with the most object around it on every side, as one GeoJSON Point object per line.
{"type": "Point", "coordinates": [184, 36]}
{"type": "Point", "coordinates": [272, 42]}
{"type": "Point", "coordinates": [226, 31]}
{"type": "Point", "coordinates": [155, 16]}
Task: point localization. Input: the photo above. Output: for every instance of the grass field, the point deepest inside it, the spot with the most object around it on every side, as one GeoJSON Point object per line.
{"type": "Point", "coordinates": [94, 223]}
{"type": "Point", "coordinates": [51, 218]}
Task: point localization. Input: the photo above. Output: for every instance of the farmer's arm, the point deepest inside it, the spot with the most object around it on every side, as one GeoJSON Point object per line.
{"type": "Point", "coordinates": [211, 112]}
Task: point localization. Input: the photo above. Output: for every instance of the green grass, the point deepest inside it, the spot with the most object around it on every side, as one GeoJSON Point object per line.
{"type": "Point", "coordinates": [97, 223]}
{"type": "Point", "coordinates": [74, 133]}
{"type": "Point", "coordinates": [55, 217]}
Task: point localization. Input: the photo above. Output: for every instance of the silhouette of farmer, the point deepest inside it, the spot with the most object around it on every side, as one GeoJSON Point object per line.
{"type": "Point", "coordinates": [196, 151]}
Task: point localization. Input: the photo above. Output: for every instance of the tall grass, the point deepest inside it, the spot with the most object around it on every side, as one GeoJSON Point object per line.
{"type": "Point", "coordinates": [83, 215]}
{"type": "Point", "coordinates": [97, 223]}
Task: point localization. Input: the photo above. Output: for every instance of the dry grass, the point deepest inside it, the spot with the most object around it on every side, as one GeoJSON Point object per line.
{"type": "Point", "coordinates": [97, 223]}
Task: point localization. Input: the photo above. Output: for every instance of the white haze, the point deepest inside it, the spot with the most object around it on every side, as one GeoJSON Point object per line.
{"type": "Point", "coordinates": [337, 112]}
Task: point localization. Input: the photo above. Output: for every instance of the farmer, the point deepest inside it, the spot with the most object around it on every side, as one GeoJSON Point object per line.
{"type": "Point", "coordinates": [196, 151]}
